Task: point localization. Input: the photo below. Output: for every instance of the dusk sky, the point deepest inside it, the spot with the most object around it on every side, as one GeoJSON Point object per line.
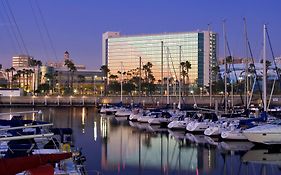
{"type": "Point", "coordinates": [77, 25]}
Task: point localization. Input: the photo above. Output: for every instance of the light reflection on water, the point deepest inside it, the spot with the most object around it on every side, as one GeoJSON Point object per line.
{"type": "Point", "coordinates": [119, 147]}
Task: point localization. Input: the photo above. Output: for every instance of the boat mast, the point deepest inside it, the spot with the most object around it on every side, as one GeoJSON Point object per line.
{"type": "Point", "coordinates": [264, 68]}
{"type": "Point", "coordinates": [168, 77]}
{"type": "Point", "coordinates": [210, 70]}
{"type": "Point", "coordinates": [121, 97]}
{"type": "Point", "coordinates": [162, 60]}
{"type": "Point", "coordinates": [140, 80]}
{"type": "Point", "coordinates": [246, 65]}
{"type": "Point", "coordinates": [179, 106]}
{"type": "Point", "coordinates": [225, 70]}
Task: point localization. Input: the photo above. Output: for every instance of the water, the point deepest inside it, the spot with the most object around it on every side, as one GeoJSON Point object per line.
{"type": "Point", "coordinates": [120, 147]}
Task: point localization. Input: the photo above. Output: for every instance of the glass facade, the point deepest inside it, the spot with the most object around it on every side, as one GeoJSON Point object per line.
{"type": "Point", "coordinates": [127, 50]}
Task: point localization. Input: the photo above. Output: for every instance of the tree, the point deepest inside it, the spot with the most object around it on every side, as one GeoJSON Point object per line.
{"type": "Point", "coordinates": [185, 67]}
{"type": "Point", "coordinates": [43, 88]}
{"type": "Point", "coordinates": [71, 69]}
{"type": "Point", "coordinates": [148, 85]}
{"type": "Point", "coordinates": [17, 77]}
{"type": "Point", "coordinates": [35, 63]}
{"type": "Point", "coordinates": [50, 80]}
{"type": "Point", "coordinates": [114, 87]}
{"type": "Point", "coordinates": [28, 72]}
{"type": "Point", "coordinates": [218, 84]}
{"type": "Point", "coordinates": [129, 87]}
{"type": "Point", "coordinates": [113, 77]}
{"type": "Point", "coordinates": [105, 72]}
{"type": "Point", "coordinates": [12, 70]}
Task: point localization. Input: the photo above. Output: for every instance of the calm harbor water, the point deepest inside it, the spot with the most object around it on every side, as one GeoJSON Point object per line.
{"type": "Point", "coordinates": [120, 147]}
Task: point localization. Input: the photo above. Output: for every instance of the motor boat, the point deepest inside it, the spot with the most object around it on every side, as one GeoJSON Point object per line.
{"type": "Point", "coordinates": [182, 121]}
{"type": "Point", "coordinates": [269, 134]}
{"type": "Point", "coordinates": [145, 117]}
{"type": "Point", "coordinates": [202, 123]}
{"type": "Point", "coordinates": [123, 112]}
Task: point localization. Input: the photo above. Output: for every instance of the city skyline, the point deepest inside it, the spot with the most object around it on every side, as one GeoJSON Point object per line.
{"type": "Point", "coordinates": [77, 27]}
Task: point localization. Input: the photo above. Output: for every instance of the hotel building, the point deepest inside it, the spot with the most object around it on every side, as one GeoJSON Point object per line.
{"type": "Point", "coordinates": [164, 51]}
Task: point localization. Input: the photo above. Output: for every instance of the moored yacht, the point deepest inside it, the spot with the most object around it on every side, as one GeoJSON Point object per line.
{"type": "Point", "coordinates": [266, 134]}
{"type": "Point", "coordinates": [182, 121]}
{"type": "Point", "coordinates": [123, 112]}
{"type": "Point", "coordinates": [203, 122]}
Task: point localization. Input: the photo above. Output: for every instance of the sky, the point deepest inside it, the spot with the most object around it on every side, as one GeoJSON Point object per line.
{"type": "Point", "coordinates": [77, 25]}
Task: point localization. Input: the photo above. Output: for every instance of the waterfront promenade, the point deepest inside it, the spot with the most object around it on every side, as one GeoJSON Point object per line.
{"type": "Point", "coordinates": [145, 100]}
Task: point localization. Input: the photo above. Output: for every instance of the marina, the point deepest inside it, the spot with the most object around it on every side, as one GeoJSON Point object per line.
{"type": "Point", "coordinates": [140, 88]}
{"type": "Point", "coordinates": [114, 145]}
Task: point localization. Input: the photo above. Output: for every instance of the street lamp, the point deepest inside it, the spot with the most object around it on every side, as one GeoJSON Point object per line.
{"type": "Point", "coordinates": [192, 93]}
{"type": "Point", "coordinates": [58, 100]}
{"type": "Point", "coordinates": [95, 84]}
{"type": "Point", "coordinates": [46, 100]}
{"type": "Point", "coordinates": [33, 99]}
{"type": "Point", "coordinates": [83, 100]}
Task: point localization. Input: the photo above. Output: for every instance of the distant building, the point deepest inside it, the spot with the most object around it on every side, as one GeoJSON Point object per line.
{"type": "Point", "coordinates": [21, 61]}
{"type": "Point", "coordinates": [83, 81]}
{"type": "Point", "coordinates": [199, 48]}
{"type": "Point", "coordinates": [60, 64]}
{"type": "Point", "coordinates": [236, 60]}
{"type": "Point", "coordinates": [14, 92]}
{"type": "Point", "coordinates": [105, 38]}
{"type": "Point", "coordinates": [239, 70]}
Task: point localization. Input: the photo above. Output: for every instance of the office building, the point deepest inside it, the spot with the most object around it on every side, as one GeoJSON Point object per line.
{"type": "Point", "coordinates": [21, 61]}
{"type": "Point", "coordinates": [199, 48]}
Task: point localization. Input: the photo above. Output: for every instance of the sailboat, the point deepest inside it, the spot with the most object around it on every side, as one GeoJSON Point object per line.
{"type": "Point", "coordinates": [269, 133]}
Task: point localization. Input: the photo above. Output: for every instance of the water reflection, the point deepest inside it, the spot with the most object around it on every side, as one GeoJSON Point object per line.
{"type": "Point", "coordinates": [127, 147]}
{"type": "Point", "coordinates": [121, 147]}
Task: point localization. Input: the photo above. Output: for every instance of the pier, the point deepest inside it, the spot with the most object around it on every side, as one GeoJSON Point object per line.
{"type": "Point", "coordinates": [144, 100]}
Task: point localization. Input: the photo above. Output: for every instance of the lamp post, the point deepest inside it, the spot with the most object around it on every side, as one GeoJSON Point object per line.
{"type": "Point", "coordinates": [58, 100]}
{"type": "Point", "coordinates": [45, 100]}
{"type": "Point", "coordinates": [33, 100]}
{"type": "Point", "coordinates": [192, 92]}
{"type": "Point", "coordinates": [83, 100]}
{"type": "Point", "coordinates": [70, 100]}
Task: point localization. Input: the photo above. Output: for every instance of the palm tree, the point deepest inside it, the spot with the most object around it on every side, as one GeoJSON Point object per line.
{"type": "Point", "coordinates": [71, 69]}
{"type": "Point", "coordinates": [147, 72]}
{"type": "Point", "coordinates": [8, 75]}
{"type": "Point", "coordinates": [12, 69]}
{"type": "Point", "coordinates": [185, 66]}
{"type": "Point", "coordinates": [35, 63]}
{"type": "Point", "coordinates": [105, 72]}
{"type": "Point", "coordinates": [28, 73]}
{"type": "Point", "coordinates": [18, 77]}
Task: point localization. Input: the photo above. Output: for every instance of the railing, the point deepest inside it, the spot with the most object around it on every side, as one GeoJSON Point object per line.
{"type": "Point", "coordinates": [92, 100]}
